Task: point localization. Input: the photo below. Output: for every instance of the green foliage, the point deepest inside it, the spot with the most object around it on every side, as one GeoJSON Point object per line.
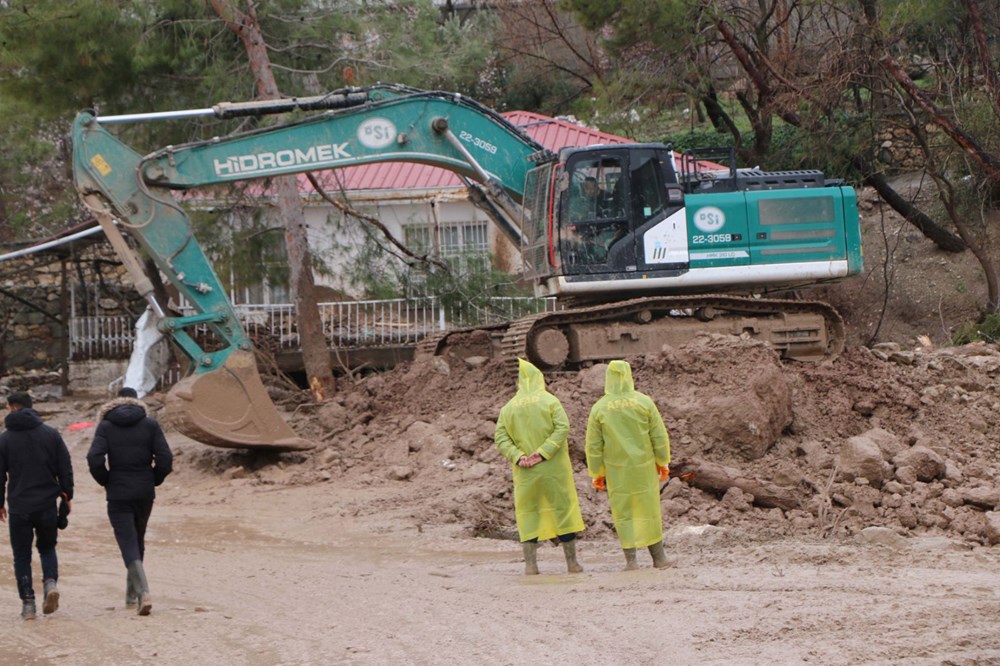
{"type": "Point", "coordinates": [34, 196]}
{"type": "Point", "coordinates": [474, 281]}
{"type": "Point", "coordinates": [923, 23]}
{"type": "Point", "coordinates": [245, 247]}
{"type": "Point", "coordinates": [986, 329]}
{"type": "Point", "coordinates": [410, 43]}
{"type": "Point", "coordinates": [791, 148]}
{"type": "Point", "coordinates": [56, 54]}
{"type": "Point", "coordinates": [667, 25]}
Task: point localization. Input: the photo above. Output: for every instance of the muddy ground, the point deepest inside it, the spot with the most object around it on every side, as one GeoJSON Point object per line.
{"type": "Point", "coordinates": [855, 523]}
{"type": "Point", "coordinates": [391, 543]}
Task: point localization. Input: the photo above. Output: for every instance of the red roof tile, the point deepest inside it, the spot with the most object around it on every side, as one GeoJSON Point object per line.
{"type": "Point", "coordinates": [553, 133]}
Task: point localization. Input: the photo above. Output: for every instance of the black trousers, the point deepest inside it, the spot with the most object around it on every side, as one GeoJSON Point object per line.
{"type": "Point", "coordinates": [24, 528]}
{"type": "Point", "coordinates": [128, 520]}
{"type": "Point", "coordinates": [563, 538]}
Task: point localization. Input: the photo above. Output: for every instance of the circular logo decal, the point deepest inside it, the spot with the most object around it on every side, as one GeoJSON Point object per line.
{"type": "Point", "coordinates": [377, 133]}
{"type": "Point", "coordinates": [709, 219]}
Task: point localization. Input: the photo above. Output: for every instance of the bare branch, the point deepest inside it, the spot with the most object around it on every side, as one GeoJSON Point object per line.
{"type": "Point", "coordinates": [987, 161]}
{"type": "Point", "coordinates": [375, 222]}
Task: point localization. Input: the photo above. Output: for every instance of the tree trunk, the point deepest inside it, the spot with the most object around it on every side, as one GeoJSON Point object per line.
{"type": "Point", "coordinates": [983, 50]}
{"type": "Point", "coordinates": [943, 238]}
{"type": "Point", "coordinates": [716, 479]}
{"type": "Point", "coordinates": [315, 352]}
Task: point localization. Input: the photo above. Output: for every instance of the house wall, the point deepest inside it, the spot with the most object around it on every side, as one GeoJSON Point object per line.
{"type": "Point", "coordinates": [337, 239]}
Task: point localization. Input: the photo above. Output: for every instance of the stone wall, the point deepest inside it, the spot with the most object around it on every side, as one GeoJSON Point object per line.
{"type": "Point", "coordinates": [899, 150]}
{"type": "Point", "coordinates": [34, 307]}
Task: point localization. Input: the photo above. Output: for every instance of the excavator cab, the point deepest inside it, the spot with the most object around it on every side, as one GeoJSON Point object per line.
{"type": "Point", "coordinates": [591, 211]}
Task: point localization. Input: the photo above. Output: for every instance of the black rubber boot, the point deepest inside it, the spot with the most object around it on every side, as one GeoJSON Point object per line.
{"type": "Point", "coordinates": [27, 609]}
{"type": "Point", "coordinates": [50, 600]}
{"type": "Point", "coordinates": [138, 577]}
{"type": "Point", "coordinates": [131, 598]}
{"type": "Point", "coordinates": [659, 557]}
{"type": "Point", "coordinates": [630, 563]}
{"type": "Point", "coordinates": [569, 550]}
{"type": "Point", "coordinates": [530, 549]}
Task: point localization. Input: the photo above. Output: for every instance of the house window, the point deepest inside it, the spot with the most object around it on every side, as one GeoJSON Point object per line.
{"type": "Point", "coordinates": [464, 246]}
{"type": "Point", "coordinates": [419, 238]}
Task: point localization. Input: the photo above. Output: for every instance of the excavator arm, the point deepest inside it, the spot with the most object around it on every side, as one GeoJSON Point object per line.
{"type": "Point", "coordinates": [223, 402]}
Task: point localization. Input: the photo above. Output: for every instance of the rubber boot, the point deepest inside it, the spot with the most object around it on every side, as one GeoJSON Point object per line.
{"type": "Point", "coordinates": [659, 557]}
{"type": "Point", "coordinates": [28, 609]}
{"type": "Point", "coordinates": [530, 557]}
{"type": "Point", "coordinates": [131, 598]}
{"type": "Point", "coordinates": [630, 563]}
{"type": "Point", "coordinates": [50, 600]}
{"type": "Point", "coordinates": [569, 550]}
{"type": "Point", "coordinates": [138, 577]}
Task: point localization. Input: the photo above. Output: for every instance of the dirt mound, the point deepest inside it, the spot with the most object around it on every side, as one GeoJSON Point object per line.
{"type": "Point", "coordinates": [886, 437]}
{"type": "Point", "coordinates": [894, 437]}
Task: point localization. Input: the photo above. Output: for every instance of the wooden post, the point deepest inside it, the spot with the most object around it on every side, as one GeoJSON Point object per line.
{"type": "Point", "coordinates": [64, 316]}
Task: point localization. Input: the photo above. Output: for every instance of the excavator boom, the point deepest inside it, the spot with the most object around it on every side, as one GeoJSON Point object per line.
{"type": "Point", "coordinates": [222, 401]}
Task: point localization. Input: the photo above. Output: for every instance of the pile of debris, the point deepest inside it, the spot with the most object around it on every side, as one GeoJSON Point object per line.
{"type": "Point", "coordinates": [901, 440]}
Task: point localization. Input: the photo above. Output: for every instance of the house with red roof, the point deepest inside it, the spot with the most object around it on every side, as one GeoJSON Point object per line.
{"type": "Point", "coordinates": [425, 208]}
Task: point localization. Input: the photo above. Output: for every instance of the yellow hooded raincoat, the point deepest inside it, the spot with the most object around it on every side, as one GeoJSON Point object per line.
{"type": "Point", "coordinates": [545, 501]}
{"type": "Point", "coordinates": [626, 440]}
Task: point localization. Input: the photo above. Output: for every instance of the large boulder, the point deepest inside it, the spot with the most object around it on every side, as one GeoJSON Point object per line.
{"type": "Point", "coordinates": [887, 442]}
{"type": "Point", "coordinates": [861, 457]}
{"type": "Point", "coordinates": [428, 440]}
{"type": "Point", "coordinates": [745, 423]}
{"type": "Point", "coordinates": [992, 519]}
{"type": "Point", "coordinates": [926, 464]}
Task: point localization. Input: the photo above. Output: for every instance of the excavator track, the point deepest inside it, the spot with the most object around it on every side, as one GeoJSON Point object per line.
{"type": "Point", "coordinates": [799, 330]}
{"type": "Point", "coordinates": [484, 344]}
{"type": "Point", "coordinates": [515, 338]}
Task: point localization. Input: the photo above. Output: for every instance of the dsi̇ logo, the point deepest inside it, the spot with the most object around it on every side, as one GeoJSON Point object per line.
{"type": "Point", "coordinates": [377, 133]}
{"type": "Point", "coordinates": [709, 219]}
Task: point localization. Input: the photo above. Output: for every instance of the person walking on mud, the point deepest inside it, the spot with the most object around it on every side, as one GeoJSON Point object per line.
{"type": "Point", "coordinates": [130, 457]}
{"type": "Point", "coordinates": [531, 433]}
{"type": "Point", "coordinates": [628, 451]}
{"type": "Point", "coordinates": [35, 470]}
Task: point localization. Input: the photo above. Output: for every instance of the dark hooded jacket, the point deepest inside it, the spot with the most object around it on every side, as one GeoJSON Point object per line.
{"type": "Point", "coordinates": [36, 459]}
{"type": "Point", "coordinates": [129, 455]}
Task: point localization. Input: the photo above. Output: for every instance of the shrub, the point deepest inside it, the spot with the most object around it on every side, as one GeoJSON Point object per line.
{"type": "Point", "coordinates": [986, 329]}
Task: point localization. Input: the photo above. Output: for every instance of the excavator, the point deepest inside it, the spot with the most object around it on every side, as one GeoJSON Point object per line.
{"type": "Point", "coordinates": [639, 251]}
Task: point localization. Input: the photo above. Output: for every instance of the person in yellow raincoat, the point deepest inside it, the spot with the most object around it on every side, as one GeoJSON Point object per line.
{"type": "Point", "coordinates": [628, 451]}
{"type": "Point", "coordinates": [531, 433]}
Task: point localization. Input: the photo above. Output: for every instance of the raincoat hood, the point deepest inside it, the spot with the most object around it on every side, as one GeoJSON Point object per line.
{"type": "Point", "coordinates": [618, 378]}
{"type": "Point", "coordinates": [529, 378]}
{"type": "Point", "coordinates": [123, 411]}
{"type": "Point", "coordinates": [23, 419]}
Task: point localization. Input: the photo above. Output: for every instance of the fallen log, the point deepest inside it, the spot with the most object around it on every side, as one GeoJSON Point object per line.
{"type": "Point", "coordinates": [717, 479]}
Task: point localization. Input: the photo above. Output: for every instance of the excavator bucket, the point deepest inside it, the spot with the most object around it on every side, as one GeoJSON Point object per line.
{"type": "Point", "coordinates": [229, 408]}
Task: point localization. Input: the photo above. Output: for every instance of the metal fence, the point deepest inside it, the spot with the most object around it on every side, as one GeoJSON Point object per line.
{"type": "Point", "coordinates": [497, 309]}
{"type": "Point", "coordinates": [346, 324]}
{"type": "Point", "coordinates": [101, 337]}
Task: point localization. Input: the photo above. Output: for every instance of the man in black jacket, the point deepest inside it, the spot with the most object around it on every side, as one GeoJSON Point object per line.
{"type": "Point", "coordinates": [35, 470]}
{"type": "Point", "coordinates": [130, 457]}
